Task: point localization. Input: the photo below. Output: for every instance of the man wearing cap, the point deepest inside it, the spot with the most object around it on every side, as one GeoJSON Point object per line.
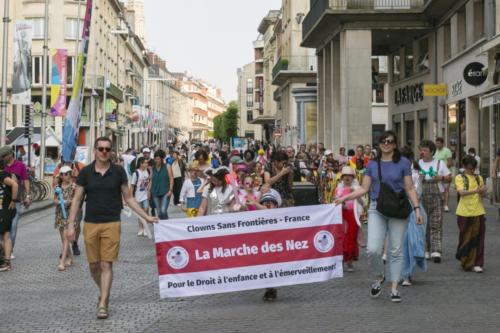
{"type": "Point", "coordinates": [104, 184]}
{"type": "Point", "coordinates": [18, 169]}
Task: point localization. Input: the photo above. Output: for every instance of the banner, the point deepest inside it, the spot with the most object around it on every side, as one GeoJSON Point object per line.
{"type": "Point", "coordinates": [58, 82]}
{"type": "Point", "coordinates": [21, 77]}
{"type": "Point", "coordinates": [72, 120]}
{"type": "Point", "coordinates": [250, 250]}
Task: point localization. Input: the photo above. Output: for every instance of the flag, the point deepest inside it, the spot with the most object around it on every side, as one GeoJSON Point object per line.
{"type": "Point", "coordinates": [58, 82]}
{"type": "Point", "coordinates": [72, 121]}
{"type": "Point", "coordinates": [21, 78]}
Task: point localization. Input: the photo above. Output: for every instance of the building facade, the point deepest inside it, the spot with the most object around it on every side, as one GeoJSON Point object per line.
{"type": "Point", "coordinates": [246, 100]}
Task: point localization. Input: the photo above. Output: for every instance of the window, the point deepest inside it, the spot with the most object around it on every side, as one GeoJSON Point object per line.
{"type": "Point", "coordinates": [249, 86]}
{"type": "Point", "coordinates": [38, 27]}
{"type": "Point", "coordinates": [395, 68]}
{"type": "Point", "coordinates": [478, 19]}
{"type": "Point", "coordinates": [249, 116]}
{"type": "Point", "coordinates": [70, 69]}
{"type": "Point", "coordinates": [71, 30]}
{"type": "Point", "coordinates": [379, 93]}
{"type": "Point", "coordinates": [409, 61]}
{"type": "Point", "coordinates": [447, 40]}
{"type": "Point", "coordinates": [249, 101]}
{"type": "Point", "coordinates": [37, 71]}
{"type": "Point", "coordinates": [423, 55]}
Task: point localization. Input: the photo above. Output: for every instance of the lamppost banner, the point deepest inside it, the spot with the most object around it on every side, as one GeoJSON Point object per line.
{"type": "Point", "coordinates": [72, 120]}
{"type": "Point", "coordinates": [249, 250]}
{"type": "Point", "coordinates": [58, 82]}
{"type": "Point", "coordinates": [21, 77]}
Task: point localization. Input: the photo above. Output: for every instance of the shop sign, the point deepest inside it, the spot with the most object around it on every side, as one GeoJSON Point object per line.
{"type": "Point", "coordinates": [435, 90]}
{"type": "Point", "coordinates": [410, 94]}
{"type": "Point", "coordinates": [456, 88]}
{"type": "Point", "coordinates": [490, 100]}
{"type": "Point", "coordinates": [475, 73]}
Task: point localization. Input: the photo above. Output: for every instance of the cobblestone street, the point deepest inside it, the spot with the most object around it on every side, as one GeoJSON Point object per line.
{"type": "Point", "coordinates": [35, 297]}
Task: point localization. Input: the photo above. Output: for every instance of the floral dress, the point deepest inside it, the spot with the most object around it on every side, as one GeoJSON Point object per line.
{"type": "Point", "coordinates": [68, 194]}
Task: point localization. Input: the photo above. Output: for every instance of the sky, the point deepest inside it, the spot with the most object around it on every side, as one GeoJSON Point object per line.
{"type": "Point", "coordinates": [208, 38]}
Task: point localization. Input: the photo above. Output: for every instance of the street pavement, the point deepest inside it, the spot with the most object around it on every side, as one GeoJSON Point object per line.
{"type": "Point", "coordinates": [35, 297]}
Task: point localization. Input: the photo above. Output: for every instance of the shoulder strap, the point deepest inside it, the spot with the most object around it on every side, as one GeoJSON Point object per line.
{"type": "Point", "coordinates": [466, 181]}
{"type": "Point", "coordinates": [379, 171]}
{"type": "Point", "coordinates": [136, 173]}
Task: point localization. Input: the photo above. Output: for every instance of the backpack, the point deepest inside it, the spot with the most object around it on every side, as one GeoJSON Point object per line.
{"type": "Point", "coordinates": [132, 166]}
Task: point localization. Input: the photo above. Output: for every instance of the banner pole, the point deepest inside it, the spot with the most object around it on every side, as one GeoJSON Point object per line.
{"type": "Point", "coordinates": [44, 91]}
{"type": "Point", "coordinates": [5, 54]}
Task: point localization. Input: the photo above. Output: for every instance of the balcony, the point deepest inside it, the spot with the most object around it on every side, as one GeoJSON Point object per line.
{"type": "Point", "coordinates": [301, 69]}
{"type": "Point", "coordinates": [327, 16]}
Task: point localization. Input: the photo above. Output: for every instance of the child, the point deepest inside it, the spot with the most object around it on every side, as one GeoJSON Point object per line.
{"type": "Point", "coordinates": [248, 196]}
{"type": "Point", "coordinates": [190, 196]}
{"type": "Point", "coordinates": [348, 185]}
{"type": "Point", "coordinates": [66, 184]}
{"type": "Point", "coordinates": [270, 200]}
{"type": "Point", "coordinates": [141, 180]}
{"type": "Point", "coordinates": [8, 190]}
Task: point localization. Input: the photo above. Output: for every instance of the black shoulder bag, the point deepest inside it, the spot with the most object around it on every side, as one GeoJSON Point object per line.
{"type": "Point", "coordinates": [391, 203]}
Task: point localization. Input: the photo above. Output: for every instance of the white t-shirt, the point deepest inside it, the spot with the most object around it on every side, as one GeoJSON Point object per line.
{"type": "Point", "coordinates": [426, 170]}
{"type": "Point", "coordinates": [141, 180]}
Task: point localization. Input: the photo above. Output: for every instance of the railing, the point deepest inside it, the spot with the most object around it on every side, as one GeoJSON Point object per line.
{"type": "Point", "coordinates": [295, 63]}
{"type": "Point", "coordinates": [320, 6]}
{"type": "Point", "coordinates": [376, 4]}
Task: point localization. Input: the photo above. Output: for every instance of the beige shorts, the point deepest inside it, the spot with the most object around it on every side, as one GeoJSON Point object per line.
{"type": "Point", "coordinates": [102, 241]}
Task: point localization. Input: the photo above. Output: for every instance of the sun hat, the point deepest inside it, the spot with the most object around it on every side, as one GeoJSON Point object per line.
{"type": "Point", "coordinates": [5, 150]}
{"type": "Point", "coordinates": [348, 171]}
{"type": "Point", "coordinates": [216, 169]}
{"type": "Point", "coordinates": [194, 166]}
{"type": "Point", "coordinates": [261, 152]}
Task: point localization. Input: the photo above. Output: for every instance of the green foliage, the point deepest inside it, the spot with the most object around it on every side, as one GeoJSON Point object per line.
{"type": "Point", "coordinates": [226, 124]}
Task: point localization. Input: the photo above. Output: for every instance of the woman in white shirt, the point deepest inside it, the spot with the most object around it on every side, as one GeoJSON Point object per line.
{"type": "Point", "coordinates": [178, 169]}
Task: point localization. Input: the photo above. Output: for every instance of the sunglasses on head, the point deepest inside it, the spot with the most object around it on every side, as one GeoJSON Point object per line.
{"type": "Point", "coordinates": [387, 141]}
{"type": "Point", "coordinates": [103, 149]}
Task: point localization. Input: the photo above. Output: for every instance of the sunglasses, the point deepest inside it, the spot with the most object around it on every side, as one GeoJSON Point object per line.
{"type": "Point", "coordinates": [387, 142]}
{"type": "Point", "coordinates": [102, 149]}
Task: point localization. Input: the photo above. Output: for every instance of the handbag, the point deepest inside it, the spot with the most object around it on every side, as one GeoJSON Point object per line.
{"type": "Point", "coordinates": [391, 203]}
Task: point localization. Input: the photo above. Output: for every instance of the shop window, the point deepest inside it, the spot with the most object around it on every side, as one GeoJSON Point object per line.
{"type": "Point", "coordinates": [410, 133]}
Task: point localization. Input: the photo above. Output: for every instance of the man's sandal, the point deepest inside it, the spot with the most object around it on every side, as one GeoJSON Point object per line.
{"type": "Point", "coordinates": [102, 313]}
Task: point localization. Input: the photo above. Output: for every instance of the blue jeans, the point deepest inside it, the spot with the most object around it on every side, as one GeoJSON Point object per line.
{"type": "Point", "coordinates": [13, 229]}
{"type": "Point", "coordinates": [378, 227]}
{"type": "Point", "coordinates": [161, 204]}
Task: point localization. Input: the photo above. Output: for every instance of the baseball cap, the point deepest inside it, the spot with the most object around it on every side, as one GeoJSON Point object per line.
{"type": "Point", "coordinates": [328, 152]}
{"type": "Point", "coordinates": [272, 196]}
{"type": "Point", "coordinates": [64, 169]}
{"type": "Point", "coordinates": [146, 150]}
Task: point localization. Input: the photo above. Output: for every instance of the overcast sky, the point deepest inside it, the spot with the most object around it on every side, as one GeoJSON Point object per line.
{"type": "Point", "coordinates": [208, 38]}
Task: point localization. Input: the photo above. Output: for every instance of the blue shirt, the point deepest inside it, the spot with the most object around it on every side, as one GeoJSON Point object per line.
{"type": "Point", "coordinates": [392, 174]}
{"type": "Point", "coordinates": [160, 182]}
{"type": "Point", "coordinates": [196, 201]}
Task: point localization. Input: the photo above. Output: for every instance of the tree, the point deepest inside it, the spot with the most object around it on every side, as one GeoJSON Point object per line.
{"type": "Point", "coordinates": [231, 120]}
{"type": "Point", "coordinates": [219, 131]}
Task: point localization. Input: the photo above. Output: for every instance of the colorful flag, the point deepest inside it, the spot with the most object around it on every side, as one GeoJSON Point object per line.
{"type": "Point", "coordinates": [72, 121]}
{"type": "Point", "coordinates": [58, 82]}
{"type": "Point", "coordinates": [21, 78]}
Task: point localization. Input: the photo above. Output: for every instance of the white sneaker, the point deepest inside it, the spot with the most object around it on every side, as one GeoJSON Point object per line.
{"type": "Point", "coordinates": [406, 283]}
{"type": "Point", "coordinates": [436, 257]}
{"type": "Point", "coordinates": [446, 209]}
{"type": "Point", "coordinates": [12, 256]}
{"type": "Point", "coordinates": [384, 258]}
{"type": "Point", "coordinates": [478, 269]}
{"type": "Point", "coordinates": [140, 233]}
{"type": "Point", "coordinates": [427, 255]}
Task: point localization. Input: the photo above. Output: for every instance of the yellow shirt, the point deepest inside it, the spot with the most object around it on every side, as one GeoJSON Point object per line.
{"type": "Point", "coordinates": [469, 205]}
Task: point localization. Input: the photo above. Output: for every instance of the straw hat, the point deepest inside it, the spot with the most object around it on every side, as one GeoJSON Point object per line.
{"type": "Point", "coordinates": [348, 171]}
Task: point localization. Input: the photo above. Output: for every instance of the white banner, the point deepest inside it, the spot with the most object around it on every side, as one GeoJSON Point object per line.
{"type": "Point", "coordinates": [250, 250]}
{"type": "Point", "coordinates": [21, 77]}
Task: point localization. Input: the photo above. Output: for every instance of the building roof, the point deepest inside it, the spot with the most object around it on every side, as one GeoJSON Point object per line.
{"type": "Point", "coordinates": [270, 18]}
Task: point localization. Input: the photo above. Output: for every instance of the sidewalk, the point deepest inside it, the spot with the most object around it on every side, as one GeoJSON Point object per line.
{"type": "Point", "coordinates": [37, 207]}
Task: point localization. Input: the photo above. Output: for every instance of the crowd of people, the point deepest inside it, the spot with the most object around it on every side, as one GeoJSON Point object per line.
{"type": "Point", "coordinates": [401, 199]}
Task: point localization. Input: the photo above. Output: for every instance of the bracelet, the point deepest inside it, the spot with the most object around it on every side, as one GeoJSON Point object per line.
{"type": "Point", "coordinates": [416, 207]}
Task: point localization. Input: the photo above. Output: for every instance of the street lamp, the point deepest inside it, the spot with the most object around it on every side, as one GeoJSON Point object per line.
{"type": "Point", "coordinates": [106, 79]}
